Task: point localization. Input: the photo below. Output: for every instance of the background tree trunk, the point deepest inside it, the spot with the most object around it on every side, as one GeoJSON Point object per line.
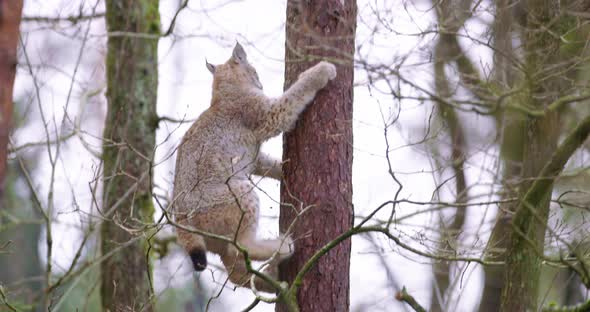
{"type": "Point", "coordinates": [451, 15]}
{"type": "Point", "coordinates": [22, 280]}
{"type": "Point", "coordinates": [129, 138]}
{"type": "Point", "coordinates": [511, 124]}
{"type": "Point", "coordinates": [10, 15]}
{"type": "Point", "coordinates": [523, 262]}
{"type": "Point", "coordinates": [318, 152]}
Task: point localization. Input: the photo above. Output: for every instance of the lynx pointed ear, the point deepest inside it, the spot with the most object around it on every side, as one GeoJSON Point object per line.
{"type": "Point", "coordinates": [239, 55]}
{"type": "Point", "coordinates": [210, 67]}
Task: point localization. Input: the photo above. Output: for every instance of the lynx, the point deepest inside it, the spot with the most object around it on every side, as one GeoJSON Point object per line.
{"type": "Point", "coordinates": [213, 191]}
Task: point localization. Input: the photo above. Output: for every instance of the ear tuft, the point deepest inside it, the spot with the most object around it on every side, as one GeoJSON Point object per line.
{"type": "Point", "coordinates": [210, 67]}
{"type": "Point", "coordinates": [239, 55]}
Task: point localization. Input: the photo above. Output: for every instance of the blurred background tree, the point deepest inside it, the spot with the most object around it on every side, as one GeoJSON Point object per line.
{"type": "Point", "coordinates": [128, 147]}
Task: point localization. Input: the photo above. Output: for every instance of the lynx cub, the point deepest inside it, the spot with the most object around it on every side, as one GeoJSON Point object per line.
{"type": "Point", "coordinates": [212, 189]}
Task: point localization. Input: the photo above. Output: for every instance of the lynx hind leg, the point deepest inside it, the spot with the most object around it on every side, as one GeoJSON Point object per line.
{"type": "Point", "coordinates": [268, 166]}
{"type": "Point", "coordinates": [264, 249]}
{"type": "Point", "coordinates": [233, 260]}
{"type": "Point", "coordinates": [258, 249]}
{"type": "Point", "coordinates": [238, 274]}
{"type": "Point", "coordinates": [195, 247]}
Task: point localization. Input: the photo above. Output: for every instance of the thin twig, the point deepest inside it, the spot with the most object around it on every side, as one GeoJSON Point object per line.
{"type": "Point", "coordinates": [409, 299]}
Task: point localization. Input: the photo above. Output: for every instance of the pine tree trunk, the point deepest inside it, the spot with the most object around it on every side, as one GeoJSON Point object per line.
{"type": "Point", "coordinates": [10, 15]}
{"type": "Point", "coordinates": [129, 139]}
{"type": "Point", "coordinates": [318, 153]}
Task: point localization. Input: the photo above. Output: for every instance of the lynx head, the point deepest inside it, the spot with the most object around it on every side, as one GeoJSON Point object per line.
{"type": "Point", "coordinates": [236, 71]}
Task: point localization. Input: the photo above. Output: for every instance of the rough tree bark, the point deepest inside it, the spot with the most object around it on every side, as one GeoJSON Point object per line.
{"type": "Point", "coordinates": [523, 262]}
{"type": "Point", "coordinates": [318, 152]}
{"type": "Point", "coordinates": [10, 15]}
{"type": "Point", "coordinates": [129, 138]}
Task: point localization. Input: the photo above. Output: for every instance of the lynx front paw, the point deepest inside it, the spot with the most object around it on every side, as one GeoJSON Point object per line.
{"type": "Point", "coordinates": [287, 248]}
{"type": "Point", "coordinates": [319, 74]}
{"type": "Point", "coordinates": [328, 69]}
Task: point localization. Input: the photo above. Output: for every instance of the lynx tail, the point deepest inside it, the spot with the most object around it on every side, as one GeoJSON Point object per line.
{"type": "Point", "coordinates": [199, 259]}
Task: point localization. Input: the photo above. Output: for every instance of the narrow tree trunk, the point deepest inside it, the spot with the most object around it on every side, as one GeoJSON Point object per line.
{"type": "Point", "coordinates": [129, 138]}
{"type": "Point", "coordinates": [318, 153]}
{"type": "Point", "coordinates": [451, 16]}
{"type": "Point", "coordinates": [22, 255]}
{"type": "Point", "coordinates": [571, 281]}
{"type": "Point", "coordinates": [10, 15]}
{"type": "Point", "coordinates": [499, 238]}
{"type": "Point", "coordinates": [449, 232]}
{"type": "Point", "coordinates": [511, 149]}
{"type": "Point", "coordinates": [523, 262]}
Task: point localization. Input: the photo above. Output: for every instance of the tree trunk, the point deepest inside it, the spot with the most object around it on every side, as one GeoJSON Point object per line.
{"type": "Point", "coordinates": [450, 231]}
{"type": "Point", "coordinates": [511, 149]}
{"type": "Point", "coordinates": [523, 262]}
{"type": "Point", "coordinates": [499, 238]}
{"type": "Point", "coordinates": [10, 15]}
{"type": "Point", "coordinates": [129, 139]}
{"type": "Point", "coordinates": [451, 15]}
{"type": "Point", "coordinates": [318, 153]}
{"type": "Point", "coordinates": [21, 281]}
